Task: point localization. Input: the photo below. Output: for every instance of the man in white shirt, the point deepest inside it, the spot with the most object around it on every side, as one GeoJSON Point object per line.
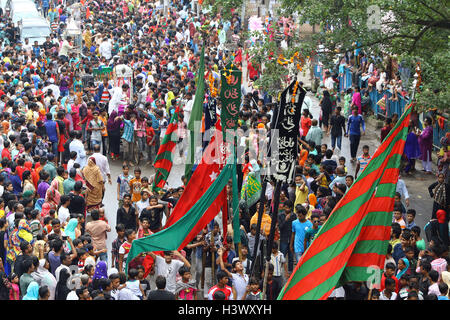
{"type": "Point", "coordinates": [77, 146]}
{"type": "Point", "coordinates": [389, 290]}
{"type": "Point", "coordinates": [65, 48]}
{"type": "Point", "coordinates": [102, 163]}
{"type": "Point", "coordinates": [105, 49]}
{"type": "Point", "coordinates": [168, 267]}
{"type": "Point", "coordinates": [66, 260]}
{"type": "Point", "coordinates": [27, 46]}
{"type": "Point", "coordinates": [401, 188]}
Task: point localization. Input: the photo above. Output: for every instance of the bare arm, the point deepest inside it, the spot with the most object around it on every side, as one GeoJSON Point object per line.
{"type": "Point", "coordinates": [120, 262]}
{"type": "Point", "coordinates": [222, 266]}
{"type": "Point", "coordinates": [185, 261]}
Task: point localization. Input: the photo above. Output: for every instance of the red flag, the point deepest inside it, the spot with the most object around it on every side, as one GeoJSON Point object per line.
{"type": "Point", "coordinates": [88, 13]}
{"type": "Point", "coordinates": [206, 172]}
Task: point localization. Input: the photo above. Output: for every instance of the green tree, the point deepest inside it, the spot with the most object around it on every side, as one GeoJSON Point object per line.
{"type": "Point", "coordinates": [411, 30]}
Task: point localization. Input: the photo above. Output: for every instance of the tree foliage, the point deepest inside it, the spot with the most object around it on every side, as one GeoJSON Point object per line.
{"type": "Point", "coordinates": [411, 30]}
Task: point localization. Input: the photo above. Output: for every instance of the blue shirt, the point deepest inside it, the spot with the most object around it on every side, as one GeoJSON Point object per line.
{"type": "Point", "coordinates": [354, 124]}
{"type": "Point", "coordinates": [300, 230]}
{"type": "Point", "coordinates": [128, 130]}
{"type": "Point", "coordinates": [50, 128]}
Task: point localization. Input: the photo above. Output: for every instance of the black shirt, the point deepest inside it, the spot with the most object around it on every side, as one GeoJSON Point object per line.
{"type": "Point", "coordinates": [337, 125]}
{"type": "Point", "coordinates": [154, 216]}
{"type": "Point", "coordinates": [128, 219]}
{"type": "Point", "coordinates": [77, 203]}
{"type": "Point", "coordinates": [161, 295]}
{"type": "Point", "coordinates": [285, 227]}
{"type": "Point", "coordinates": [273, 289]}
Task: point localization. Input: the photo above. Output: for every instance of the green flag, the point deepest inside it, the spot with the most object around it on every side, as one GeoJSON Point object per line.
{"type": "Point", "coordinates": [178, 235]}
{"type": "Point", "coordinates": [196, 115]}
{"type": "Point", "coordinates": [251, 190]}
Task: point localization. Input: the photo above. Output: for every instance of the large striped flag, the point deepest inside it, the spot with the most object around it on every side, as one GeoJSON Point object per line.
{"type": "Point", "coordinates": [352, 244]}
{"type": "Point", "coordinates": [163, 161]}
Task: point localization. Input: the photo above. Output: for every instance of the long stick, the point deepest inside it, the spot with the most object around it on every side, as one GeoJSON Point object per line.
{"type": "Point", "coordinates": [213, 258]}
{"type": "Point", "coordinates": [272, 232]}
{"type": "Point", "coordinates": [262, 202]}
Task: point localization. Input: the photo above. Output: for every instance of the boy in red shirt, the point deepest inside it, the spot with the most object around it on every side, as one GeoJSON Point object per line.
{"type": "Point", "coordinates": [222, 281]}
{"type": "Point", "coordinates": [150, 141]}
{"type": "Point", "coordinates": [389, 272]}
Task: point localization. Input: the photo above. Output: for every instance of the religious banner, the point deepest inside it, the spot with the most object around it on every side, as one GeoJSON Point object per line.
{"type": "Point", "coordinates": [284, 132]}
{"type": "Point", "coordinates": [230, 96]}
{"type": "Point", "coordinates": [251, 189]}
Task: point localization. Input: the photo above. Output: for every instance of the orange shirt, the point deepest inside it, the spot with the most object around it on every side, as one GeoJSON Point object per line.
{"type": "Point", "coordinates": [136, 186]}
{"type": "Point", "coordinates": [305, 123]}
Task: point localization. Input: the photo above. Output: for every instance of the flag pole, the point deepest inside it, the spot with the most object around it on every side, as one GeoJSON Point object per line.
{"type": "Point", "coordinates": [272, 232]}
{"type": "Point", "coordinates": [262, 202]}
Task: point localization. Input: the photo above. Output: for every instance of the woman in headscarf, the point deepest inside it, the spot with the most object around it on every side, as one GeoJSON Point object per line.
{"type": "Point", "coordinates": [403, 266]}
{"type": "Point", "coordinates": [62, 290]}
{"type": "Point", "coordinates": [113, 127]}
{"type": "Point", "coordinates": [94, 183]}
{"type": "Point", "coordinates": [52, 199]}
{"type": "Point", "coordinates": [32, 291]}
{"type": "Point", "coordinates": [71, 230]}
{"type": "Point", "coordinates": [101, 272]}
{"type": "Point", "coordinates": [326, 107]}
{"type": "Point", "coordinates": [21, 233]}
{"type": "Point", "coordinates": [29, 190]}
{"type": "Point", "coordinates": [45, 278]}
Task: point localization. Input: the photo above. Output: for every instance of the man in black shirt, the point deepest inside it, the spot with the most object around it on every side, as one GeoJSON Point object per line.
{"type": "Point", "coordinates": [285, 219]}
{"type": "Point", "coordinates": [160, 293]}
{"type": "Point", "coordinates": [154, 213]}
{"type": "Point", "coordinates": [337, 123]}
{"type": "Point", "coordinates": [127, 215]}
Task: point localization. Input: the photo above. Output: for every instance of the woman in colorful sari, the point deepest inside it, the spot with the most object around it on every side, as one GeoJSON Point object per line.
{"type": "Point", "coordinates": [426, 145]}
{"type": "Point", "coordinates": [21, 233]}
{"type": "Point", "coordinates": [94, 183]}
{"type": "Point", "coordinates": [52, 198]}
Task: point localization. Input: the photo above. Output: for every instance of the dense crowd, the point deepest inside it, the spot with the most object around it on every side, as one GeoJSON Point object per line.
{"type": "Point", "coordinates": [61, 127]}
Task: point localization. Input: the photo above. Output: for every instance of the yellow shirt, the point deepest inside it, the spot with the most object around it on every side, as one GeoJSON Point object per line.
{"type": "Point", "coordinates": [265, 222]}
{"type": "Point", "coordinates": [300, 197]}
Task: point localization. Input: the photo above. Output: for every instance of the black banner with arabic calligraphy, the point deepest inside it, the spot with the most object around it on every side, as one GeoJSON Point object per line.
{"type": "Point", "coordinates": [284, 132]}
{"type": "Point", "coordinates": [230, 97]}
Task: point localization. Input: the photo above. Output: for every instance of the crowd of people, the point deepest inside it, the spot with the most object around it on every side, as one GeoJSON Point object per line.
{"type": "Point", "coordinates": [62, 127]}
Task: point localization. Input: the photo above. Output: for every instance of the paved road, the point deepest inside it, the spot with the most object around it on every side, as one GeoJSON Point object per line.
{"type": "Point", "coordinates": [417, 184]}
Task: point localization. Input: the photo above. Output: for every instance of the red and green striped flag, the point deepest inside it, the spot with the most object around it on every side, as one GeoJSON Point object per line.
{"type": "Point", "coordinates": [163, 161]}
{"type": "Point", "coordinates": [352, 244]}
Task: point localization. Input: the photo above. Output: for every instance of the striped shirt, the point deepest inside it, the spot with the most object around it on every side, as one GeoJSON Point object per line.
{"type": "Point", "coordinates": [128, 130]}
{"type": "Point", "coordinates": [277, 262]}
{"type": "Point", "coordinates": [363, 161]}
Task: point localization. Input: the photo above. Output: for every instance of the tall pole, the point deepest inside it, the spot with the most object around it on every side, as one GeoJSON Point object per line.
{"type": "Point", "coordinates": [272, 232]}
{"type": "Point", "coordinates": [262, 202]}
